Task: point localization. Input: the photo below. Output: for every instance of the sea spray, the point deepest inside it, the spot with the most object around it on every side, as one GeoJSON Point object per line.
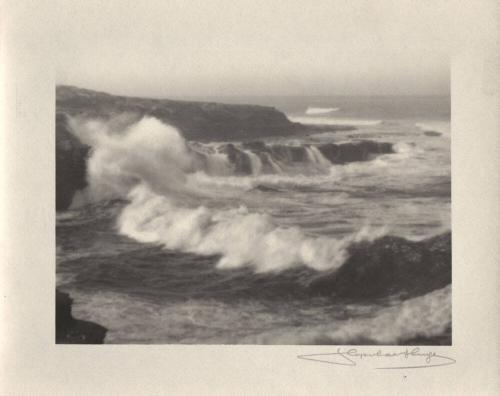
{"type": "Point", "coordinates": [148, 164]}
{"type": "Point", "coordinates": [147, 152]}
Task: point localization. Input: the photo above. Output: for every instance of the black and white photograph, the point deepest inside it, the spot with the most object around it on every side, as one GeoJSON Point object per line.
{"type": "Point", "coordinates": [279, 176]}
{"type": "Point", "coordinates": [235, 197]}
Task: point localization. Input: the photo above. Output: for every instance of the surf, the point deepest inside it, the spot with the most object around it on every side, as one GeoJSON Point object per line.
{"type": "Point", "coordinates": [178, 194]}
{"type": "Point", "coordinates": [334, 121]}
{"type": "Point", "coordinates": [149, 164]}
{"type": "Point", "coordinates": [320, 110]}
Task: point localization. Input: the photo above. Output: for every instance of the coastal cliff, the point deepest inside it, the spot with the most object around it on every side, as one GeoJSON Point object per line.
{"type": "Point", "coordinates": [195, 120]}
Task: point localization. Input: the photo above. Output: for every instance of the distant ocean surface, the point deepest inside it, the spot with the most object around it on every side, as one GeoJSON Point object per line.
{"type": "Point", "coordinates": [179, 242]}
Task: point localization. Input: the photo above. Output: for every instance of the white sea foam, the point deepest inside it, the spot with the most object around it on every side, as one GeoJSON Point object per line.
{"type": "Point", "coordinates": [131, 319]}
{"type": "Point", "coordinates": [240, 237]}
{"type": "Point", "coordinates": [333, 121]}
{"type": "Point", "coordinates": [316, 157]}
{"type": "Point", "coordinates": [276, 167]}
{"type": "Point", "coordinates": [424, 316]}
{"type": "Point", "coordinates": [321, 110]}
{"type": "Point", "coordinates": [255, 162]}
{"type": "Point", "coordinates": [148, 152]}
{"type": "Point", "coordinates": [150, 164]}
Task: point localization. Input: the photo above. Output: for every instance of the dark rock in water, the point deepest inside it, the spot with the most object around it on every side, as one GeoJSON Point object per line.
{"type": "Point", "coordinates": [289, 153]}
{"type": "Point", "coordinates": [363, 150]}
{"type": "Point", "coordinates": [71, 167]}
{"type": "Point", "coordinates": [329, 128]}
{"type": "Point", "coordinates": [351, 152]}
{"type": "Point", "coordinates": [432, 133]}
{"type": "Point", "coordinates": [73, 331]}
{"type": "Point", "coordinates": [257, 145]}
{"type": "Point", "coordinates": [390, 266]}
{"type": "Point", "coordinates": [285, 153]}
{"type": "Point", "coordinates": [264, 188]}
{"type": "Point", "coordinates": [240, 160]}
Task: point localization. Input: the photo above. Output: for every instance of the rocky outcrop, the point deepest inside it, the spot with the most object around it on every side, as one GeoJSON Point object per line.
{"type": "Point", "coordinates": [362, 150]}
{"type": "Point", "coordinates": [240, 160]}
{"type": "Point", "coordinates": [70, 163]}
{"type": "Point", "coordinates": [432, 133]}
{"type": "Point", "coordinates": [351, 152]}
{"type": "Point", "coordinates": [195, 120]}
{"type": "Point", "coordinates": [390, 266]}
{"type": "Point", "coordinates": [73, 331]}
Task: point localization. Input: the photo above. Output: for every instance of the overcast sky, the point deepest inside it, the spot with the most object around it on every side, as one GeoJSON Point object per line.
{"type": "Point", "coordinates": [176, 48]}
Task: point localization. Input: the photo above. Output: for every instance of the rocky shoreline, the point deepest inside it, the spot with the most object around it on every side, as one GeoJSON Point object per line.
{"type": "Point", "coordinates": [195, 120]}
{"type": "Point", "coordinates": [74, 331]}
{"type": "Point", "coordinates": [199, 121]}
{"type": "Point", "coordinates": [71, 167]}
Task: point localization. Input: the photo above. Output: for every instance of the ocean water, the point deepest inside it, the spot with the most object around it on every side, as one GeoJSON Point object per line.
{"type": "Point", "coordinates": [216, 243]}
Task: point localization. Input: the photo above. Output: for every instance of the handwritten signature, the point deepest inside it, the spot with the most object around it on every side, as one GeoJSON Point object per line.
{"type": "Point", "coordinates": [409, 358]}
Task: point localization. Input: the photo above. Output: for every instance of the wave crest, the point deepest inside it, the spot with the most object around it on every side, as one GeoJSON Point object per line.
{"type": "Point", "coordinates": [239, 237]}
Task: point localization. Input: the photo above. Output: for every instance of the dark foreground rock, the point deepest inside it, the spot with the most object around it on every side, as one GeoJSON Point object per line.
{"type": "Point", "coordinates": [71, 166]}
{"type": "Point", "coordinates": [73, 331]}
{"type": "Point", "coordinates": [391, 266]}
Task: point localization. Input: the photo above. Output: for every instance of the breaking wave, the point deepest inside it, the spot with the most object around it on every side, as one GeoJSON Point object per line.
{"type": "Point", "coordinates": [152, 166]}
{"type": "Point", "coordinates": [240, 237]}
{"type": "Point", "coordinates": [173, 188]}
